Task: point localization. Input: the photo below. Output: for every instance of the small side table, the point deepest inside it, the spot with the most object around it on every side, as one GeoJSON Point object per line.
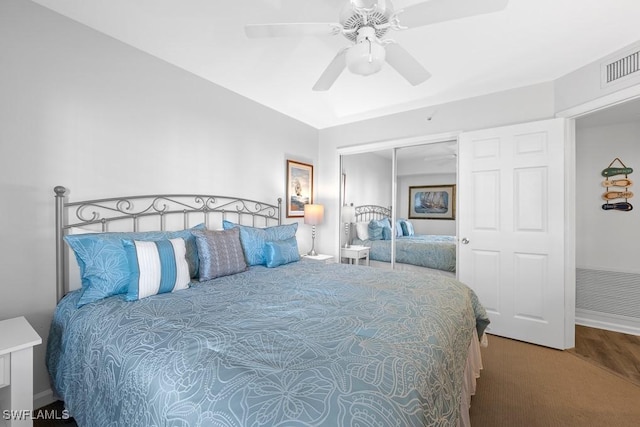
{"type": "Point", "coordinates": [17, 339]}
{"type": "Point", "coordinates": [325, 259]}
{"type": "Point", "coordinates": [355, 253]}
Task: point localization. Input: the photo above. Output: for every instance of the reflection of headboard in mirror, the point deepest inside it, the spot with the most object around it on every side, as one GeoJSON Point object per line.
{"type": "Point", "coordinates": [151, 213]}
{"type": "Point", "coordinates": [369, 212]}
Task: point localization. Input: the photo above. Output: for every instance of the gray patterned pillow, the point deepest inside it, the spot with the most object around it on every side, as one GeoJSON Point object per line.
{"type": "Point", "coordinates": [220, 253]}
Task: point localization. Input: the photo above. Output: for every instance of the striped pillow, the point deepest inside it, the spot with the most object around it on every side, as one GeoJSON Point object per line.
{"type": "Point", "coordinates": [156, 267]}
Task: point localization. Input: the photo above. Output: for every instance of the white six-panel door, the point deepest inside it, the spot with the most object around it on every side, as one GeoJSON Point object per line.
{"type": "Point", "coordinates": [511, 227]}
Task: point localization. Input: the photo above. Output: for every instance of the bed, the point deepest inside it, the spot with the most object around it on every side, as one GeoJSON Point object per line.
{"type": "Point", "coordinates": [416, 252]}
{"type": "Point", "coordinates": [301, 343]}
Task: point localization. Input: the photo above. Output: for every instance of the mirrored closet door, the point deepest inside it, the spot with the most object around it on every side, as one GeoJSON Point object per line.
{"type": "Point", "coordinates": [425, 198]}
{"type": "Point", "coordinates": [366, 194]}
{"type": "Point", "coordinates": [400, 204]}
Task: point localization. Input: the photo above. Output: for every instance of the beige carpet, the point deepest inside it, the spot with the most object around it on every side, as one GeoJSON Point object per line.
{"type": "Point", "coordinates": [527, 385]}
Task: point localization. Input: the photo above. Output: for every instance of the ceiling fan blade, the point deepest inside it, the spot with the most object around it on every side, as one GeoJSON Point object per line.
{"type": "Point", "coordinates": [332, 72]}
{"type": "Point", "coordinates": [434, 11]}
{"type": "Point", "coordinates": [405, 64]}
{"type": "Point", "coordinates": [291, 30]}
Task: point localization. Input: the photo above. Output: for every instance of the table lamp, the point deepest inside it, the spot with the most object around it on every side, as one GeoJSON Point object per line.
{"type": "Point", "coordinates": [348, 216]}
{"type": "Point", "coordinates": [313, 215]}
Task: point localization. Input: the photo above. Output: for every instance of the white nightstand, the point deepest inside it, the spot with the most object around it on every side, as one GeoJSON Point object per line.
{"type": "Point", "coordinates": [17, 339]}
{"type": "Point", "coordinates": [325, 259]}
{"type": "Point", "coordinates": [355, 253]}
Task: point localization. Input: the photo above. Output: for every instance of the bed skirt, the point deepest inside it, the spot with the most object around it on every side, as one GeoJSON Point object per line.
{"type": "Point", "coordinates": [471, 373]}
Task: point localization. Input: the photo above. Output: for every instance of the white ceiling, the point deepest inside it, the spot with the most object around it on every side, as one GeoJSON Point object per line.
{"type": "Point", "coordinates": [531, 41]}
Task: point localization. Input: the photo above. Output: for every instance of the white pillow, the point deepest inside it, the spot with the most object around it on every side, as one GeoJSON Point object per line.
{"type": "Point", "coordinates": [362, 230]}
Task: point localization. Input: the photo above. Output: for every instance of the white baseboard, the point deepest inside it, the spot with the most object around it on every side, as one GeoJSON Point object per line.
{"type": "Point", "coordinates": [43, 398]}
{"type": "Point", "coordinates": [610, 322]}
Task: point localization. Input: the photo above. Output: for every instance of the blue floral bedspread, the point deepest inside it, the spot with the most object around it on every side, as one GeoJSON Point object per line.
{"type": "Point", "coordinates": [433, 251]}
{"type": "Point", "coordinates": [305, 344]}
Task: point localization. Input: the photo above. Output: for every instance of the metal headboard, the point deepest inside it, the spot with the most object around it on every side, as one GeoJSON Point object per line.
{"type": "Point", "coordinates": [128, 212]}
{"type": "Point", "coordinates": [369, 212]}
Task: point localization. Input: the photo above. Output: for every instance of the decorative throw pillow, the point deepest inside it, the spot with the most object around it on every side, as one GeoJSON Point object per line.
{"type": "Point", "coordinates": [376, 227]}
{"type": "Point", "coordinates": [253, 239]}
{"type": "Point", "coordinates": [281, 252]}
{"type": "Point", "coordinates": [220, 253]}
{"type": "Point", "coordinates": [156, 267]}
{"type": "Point", "coordinates": [104, 268]}
{"type": "Point", "coordinates": [362, 230]}
{"type": "Point", "coordinates": [375, 230]}
{"type": "Point", "coordinates": [386, 233]}
{"type": "Point", "coordinates": [407, 228]}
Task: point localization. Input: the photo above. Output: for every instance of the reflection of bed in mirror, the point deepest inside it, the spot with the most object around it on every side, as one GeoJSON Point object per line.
{"type": "Point", "coordinates": [435, 253]}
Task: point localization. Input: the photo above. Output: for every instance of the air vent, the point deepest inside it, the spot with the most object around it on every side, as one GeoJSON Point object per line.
{"type": "Point", "coordinates": [608, 292]}
{"type": "Point", "coordinates": [621, 69]}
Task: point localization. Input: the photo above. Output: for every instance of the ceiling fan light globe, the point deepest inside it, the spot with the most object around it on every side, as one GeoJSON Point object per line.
{"type": "Point", "coordinates": [365, 58]}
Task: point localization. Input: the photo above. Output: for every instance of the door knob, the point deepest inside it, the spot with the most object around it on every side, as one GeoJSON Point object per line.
{"type": "Point", "coordinates": [465, 241]}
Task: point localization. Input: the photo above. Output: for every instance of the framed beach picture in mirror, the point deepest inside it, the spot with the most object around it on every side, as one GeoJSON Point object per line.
{"type": "Point", "coordinates": [299, 187]}
{"type": "Point", "coordinates": [432, 202]}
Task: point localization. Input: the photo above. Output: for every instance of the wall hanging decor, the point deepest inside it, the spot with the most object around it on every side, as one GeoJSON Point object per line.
{"type": "Point", "coordinates": [299, 187]}
{"type": "Point", "coordinates": [617, 187]}
{"type": "Point", "coordinates": [432, 202]}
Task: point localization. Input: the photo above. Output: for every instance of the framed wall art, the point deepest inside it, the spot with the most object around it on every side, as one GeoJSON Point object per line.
{"type": "Point", "coordinates": [299, 187]}
{"type": "Point", "coordinates": [432, 202]}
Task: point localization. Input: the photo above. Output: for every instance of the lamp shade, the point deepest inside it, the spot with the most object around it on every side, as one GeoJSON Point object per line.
{"type": "Point", "coordinates": [348, 214]}
{"type": "Point", "coordinates": [313, 214]}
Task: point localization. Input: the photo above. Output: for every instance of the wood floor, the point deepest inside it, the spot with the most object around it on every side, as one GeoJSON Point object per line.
{"type": "Point", "coordinates": [613, 351]}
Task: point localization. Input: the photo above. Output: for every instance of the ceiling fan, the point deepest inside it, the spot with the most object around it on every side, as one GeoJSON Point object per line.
{"type": "Point", "coordinates": [365, 22]}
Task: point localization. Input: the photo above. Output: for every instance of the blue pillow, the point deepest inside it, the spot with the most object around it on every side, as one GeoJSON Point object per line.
{"type": "Point", "coordinates": [281, 252]}
{"type": "Point", "coordinates": [376, 228]}
{"type": "Point", "coordinates": [104, 268]}
{"type": "Point", "coordinates": [253, 239]}
{"type": "Point", "coordinates": [156, 267]}
{"type": "Point", "coordinates": [407, 228]}
{"type": "Point", "coordinates": [386, 233]}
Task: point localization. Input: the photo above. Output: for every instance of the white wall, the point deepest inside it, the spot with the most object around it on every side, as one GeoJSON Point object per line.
{"type": "Point", "coordinates": [83, 110]}
{"type": "Point", "coordinates": [606, 240]}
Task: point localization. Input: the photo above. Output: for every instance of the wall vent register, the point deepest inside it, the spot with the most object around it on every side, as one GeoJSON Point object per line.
{"type": "Point", "coordinates": [623, 68]}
